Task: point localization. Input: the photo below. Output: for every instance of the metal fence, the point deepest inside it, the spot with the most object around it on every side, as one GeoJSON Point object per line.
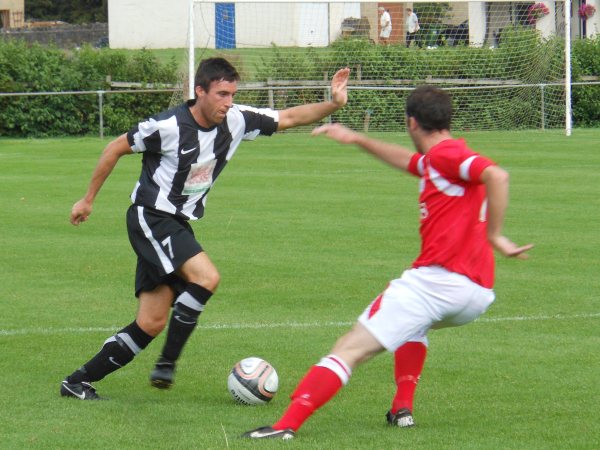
{"type": "Point", "coordinates": [270, 87]}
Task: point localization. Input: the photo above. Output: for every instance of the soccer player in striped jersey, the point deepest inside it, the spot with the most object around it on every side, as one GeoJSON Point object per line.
{"type": "Point", "coordinates": [183, 152]}
{"type": "Point", "coordinates": [462, 202]}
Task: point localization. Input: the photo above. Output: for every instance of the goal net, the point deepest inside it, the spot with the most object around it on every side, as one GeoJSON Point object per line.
{"type": "Point", "coordinates": [503, 62]}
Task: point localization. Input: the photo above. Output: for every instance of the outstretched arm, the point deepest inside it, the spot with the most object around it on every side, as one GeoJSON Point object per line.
{"type": "Point", "coordinates": [496, 185]}
{"type": "Point", "coordinates": [392, 154]}
{"type": "Point", "coordinates": [107, 162]}
{"type": "Point", "coordinates": [313, 112]}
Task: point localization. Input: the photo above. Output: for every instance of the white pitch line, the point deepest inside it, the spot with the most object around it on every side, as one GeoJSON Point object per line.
{"type": "Point", "coordinates": [526, 318]}
{"type": "Point", "coordinates": [258, 326]}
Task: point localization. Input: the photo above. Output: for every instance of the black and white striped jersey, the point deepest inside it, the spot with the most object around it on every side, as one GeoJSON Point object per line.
{"type": "Point", "coordinates": [182, 160]}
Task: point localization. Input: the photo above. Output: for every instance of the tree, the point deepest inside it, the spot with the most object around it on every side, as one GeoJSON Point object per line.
{"type": "Point", "coordinates": [432, 13]}
{"type": "Point", "coordinates": [71, 11]}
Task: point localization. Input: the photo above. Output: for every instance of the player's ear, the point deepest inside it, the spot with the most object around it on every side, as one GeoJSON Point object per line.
{"type": "Point", "coordinates": [200, 92]}
{"type": "Point", "coordinates": [411, 123]}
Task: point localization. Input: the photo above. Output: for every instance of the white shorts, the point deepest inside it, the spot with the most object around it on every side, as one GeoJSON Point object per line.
{"type": "Point", "coordinates": [385, 33]}
{"type": "Point", "coordinates": [422, 299]}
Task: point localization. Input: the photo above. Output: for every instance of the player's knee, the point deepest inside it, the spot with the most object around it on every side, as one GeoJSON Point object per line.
{"type": "Point", "coordinates": [208, 279]}
{"type": "Point", "coordinates": [152, 325]}
{"type": "Point", "coordinates": [213, 280]}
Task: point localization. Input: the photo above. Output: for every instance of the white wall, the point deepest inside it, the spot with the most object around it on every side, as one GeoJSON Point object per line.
{"type": "Point", "coordinates": [593, 23]}
{"type": "Point", "coordinates": [147, 23]}
{"type": "Point", "coordinates": [337, 13]}
{"type": "Point", "coordinates": [477, 20]}
{"type": "Point", "coordinates": [547, 25]}
{"type": "Point", "coordinates": [160, 24]}
{"type": "Point", "coordinates": [283, 24]}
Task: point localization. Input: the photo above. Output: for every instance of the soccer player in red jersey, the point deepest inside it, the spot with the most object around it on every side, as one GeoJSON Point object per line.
{"type": "Point", "coordinates": [462, 201]}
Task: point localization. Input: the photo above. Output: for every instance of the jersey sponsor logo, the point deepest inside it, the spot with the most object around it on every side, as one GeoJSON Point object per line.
{"type": "Point", "coordinates": [200, 178]}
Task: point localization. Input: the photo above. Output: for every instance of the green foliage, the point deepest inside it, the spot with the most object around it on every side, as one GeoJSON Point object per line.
{"type": "Point", "coordinates": [586, 105]}
{"type": "Point", "coordinates": [286, 64]}
{"type": "Point", "coordinates": [586, 99]}
{"type": "Point", "coordinates": [587, 61]}
{"type": "Point", "coordinates": [432, 13]}
{"type": "Point", "coordinates": [71, 11]}
{"type": "Point", "coordinates": [523, 57]}
{"type": "Point", "coordinates": [36, 68]}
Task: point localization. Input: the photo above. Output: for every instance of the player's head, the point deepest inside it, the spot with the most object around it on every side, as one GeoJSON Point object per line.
{"type": "Point", "coordinates": [215, 86]}
{"type": "Point", "coordinates": [431, 108]}
{"type": "Point", "coordinates": [214, 69]}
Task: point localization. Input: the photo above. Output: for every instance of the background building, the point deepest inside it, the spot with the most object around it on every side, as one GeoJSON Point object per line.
{"type": "Point", "coordinates": [12, 13]}
{"type": "Point", "coordinates": [158, 24]}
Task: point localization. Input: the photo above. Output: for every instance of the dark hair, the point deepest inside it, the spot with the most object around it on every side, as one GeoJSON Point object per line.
{"type": "Point", "coordinates": [214, 69]}
{"type": "Point", "coordinates": [431, 107]}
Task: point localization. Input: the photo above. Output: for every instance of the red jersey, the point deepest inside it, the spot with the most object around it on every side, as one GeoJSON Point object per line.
{"type": "Point", "coordinates": [453, 205]}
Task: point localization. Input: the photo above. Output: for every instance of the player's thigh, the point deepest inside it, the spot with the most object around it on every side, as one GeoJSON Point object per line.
{"type": "Point", "coordinates": [398, 315]}
{"type": "Point", "coordinates": [199, 269]}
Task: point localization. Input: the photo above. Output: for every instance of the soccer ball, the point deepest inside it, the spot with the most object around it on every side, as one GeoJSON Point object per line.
{"type": "Point", "coordinates": [253, 381]}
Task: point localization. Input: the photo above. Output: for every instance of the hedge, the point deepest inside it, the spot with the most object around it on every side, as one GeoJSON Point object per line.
{"type": "Point", "coordinates": [35, 68]}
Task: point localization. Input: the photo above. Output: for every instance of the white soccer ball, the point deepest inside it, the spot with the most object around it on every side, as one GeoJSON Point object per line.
{"type": "Point", "coordinates": [253, 381]}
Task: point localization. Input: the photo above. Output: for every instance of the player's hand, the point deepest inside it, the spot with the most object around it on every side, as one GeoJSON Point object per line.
{"type": "Point", "coordinates": [80, 211]}
{"type": "Point", "coordinates": [509, 249]}
{"type": "Point", "coordinates": [339, 84]}
{"type": "Point", "coordinates": [337, 132]}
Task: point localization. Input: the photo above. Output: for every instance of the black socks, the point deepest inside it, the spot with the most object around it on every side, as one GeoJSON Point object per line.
{"type": "Point", "coordinates": [117, 351]}
{"type": "Point", "coordinates": [188, 307]}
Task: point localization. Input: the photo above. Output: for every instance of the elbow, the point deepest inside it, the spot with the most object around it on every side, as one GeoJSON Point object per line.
{"type": "Point", "coordinates": [499, 175]}
{"type": "Point", "coordinates": [494, 175]}
{"type": "Point", "coordinates": [503, 177]}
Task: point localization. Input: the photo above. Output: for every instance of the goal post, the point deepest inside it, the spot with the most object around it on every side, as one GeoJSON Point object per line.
{"type": "Point", "coordinates": [506, 64]}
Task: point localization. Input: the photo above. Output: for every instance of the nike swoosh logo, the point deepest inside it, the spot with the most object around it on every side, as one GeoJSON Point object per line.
{"type": "Point", "coordinates": [178, 317]}
{"type": "Point", "coordinates": [272, 433]}
{"type": "Point", "coordinates": [190, 150]}
{"type": "Point", "coordinates": [112, 360]}
{"type": "Point", "coordinates": [81, 396]}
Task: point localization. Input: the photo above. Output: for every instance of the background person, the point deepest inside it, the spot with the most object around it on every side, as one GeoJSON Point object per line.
{"type": "Point", "coordinates": [385, 24]}
{"type": "Point", "coordinates": [412, 26]}
{"type": "Point", "coordinates": [184, 151]}
{"type": "Point", "coordinates": [462, 201]}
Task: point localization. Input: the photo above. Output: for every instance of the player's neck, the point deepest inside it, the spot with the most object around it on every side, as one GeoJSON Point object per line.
{"type": "Point", "coordinates": [430, 140]}
{"type": "Point", "coordinates": [199, 117]}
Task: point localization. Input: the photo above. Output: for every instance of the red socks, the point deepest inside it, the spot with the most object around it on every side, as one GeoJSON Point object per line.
{"type": "Point", "coordinates": [318, 386]}
{"type": "Point", "coordinates": [409, 361]}
{"type": "Point", "coordinates": [325, 379]}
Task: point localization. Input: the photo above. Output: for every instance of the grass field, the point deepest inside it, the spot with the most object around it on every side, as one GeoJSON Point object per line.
{"type": "Point", "coordinates": [305, 233]}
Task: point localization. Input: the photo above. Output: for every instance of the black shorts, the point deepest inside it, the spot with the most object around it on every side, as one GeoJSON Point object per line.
{"type": "Point", "coordinates": [162, 243]}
